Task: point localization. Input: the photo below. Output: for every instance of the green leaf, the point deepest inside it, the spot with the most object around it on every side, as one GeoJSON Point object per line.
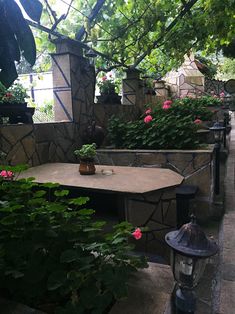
{"type": "Point", "coordinates": [56, 280]}
{"type": "Point", "coordinates": [61, 193]}
{"type": "Point", "coordinates": [50, 185]}
{"type": "Point", "coordinates": [33, 8]}
{"type": "Point", "coordinates": [86, 212]}
{"type": "Point", "coordinates": [79, 200]}
{"type": "Point", "coordinates": [69, 256]}
{"type": "Point", "coordinates": [22, 31]}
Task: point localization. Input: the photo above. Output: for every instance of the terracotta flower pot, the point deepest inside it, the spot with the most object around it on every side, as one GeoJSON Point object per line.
{"type": "Point", "coordinates": [87, 167]}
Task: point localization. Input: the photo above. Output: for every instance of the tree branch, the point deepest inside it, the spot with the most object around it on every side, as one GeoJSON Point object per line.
{"type": "Point", "coordinates": [91, 17]}
{"type": "Point", "coordinates": [186, 8]}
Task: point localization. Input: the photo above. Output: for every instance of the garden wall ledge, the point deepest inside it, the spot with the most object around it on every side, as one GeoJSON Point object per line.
{"type": "Point", "coordinates": [195, 165]}
{"type": "Point", "coordinates": [39, 143]}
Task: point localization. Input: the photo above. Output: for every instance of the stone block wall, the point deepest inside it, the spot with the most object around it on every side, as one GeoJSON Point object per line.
{"type": "Point", "coordinates": [195, 165]}
{"type": "Point", "coordinates": [36, 144]}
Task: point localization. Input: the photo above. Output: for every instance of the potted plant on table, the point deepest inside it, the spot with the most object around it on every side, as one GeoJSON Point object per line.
{"type": "Point", "coordinates": [86, 155]}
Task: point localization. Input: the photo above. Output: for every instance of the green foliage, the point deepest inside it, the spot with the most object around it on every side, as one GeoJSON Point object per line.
{"type": "Point", "coordinates": [226, 69]}
{"type": "Point", "coordinates": [87, 151]}
{"type": "Point", "coordinates": [198, 105]}
{"type": "Point", "coordinates": [16, 36]}
{"type": "Point", "coordinates": [173, 128]}
{"type": "Point", "coordinates": [52, 251]}
{"type": "Point", "coordinates": [15, 94]}
{"type": "Point", "coordinates": [107, 85]}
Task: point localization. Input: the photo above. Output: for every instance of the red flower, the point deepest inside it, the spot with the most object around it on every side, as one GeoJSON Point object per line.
{"type": "Point", "coordinates": [197, 121]}
{"type": "Point", "coordinates": [167, 103]}
{"type": "Point", "coordinates": [6, 174]}
{"type": "Point", "coordinates": [148, 111]}
{"type": "Point", "coordinates": [148, 119]}
{"type": "Point", "coordinates": [8, 95]}
{"type": "Point", "coordinates": [137, 234]}
{"type": "Point", "coordinates": [104, 78]}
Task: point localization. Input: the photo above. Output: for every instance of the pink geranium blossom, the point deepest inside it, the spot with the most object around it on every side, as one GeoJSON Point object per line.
{"type": "Point", "coordinates": [104, 78]}
{"type": "Point", "coordinates": [137, 234]}
{"type": "Point", "coordinates": [148, 111]}
{"type": "Point", "coordinates": [222, 94]}
{"type": "Point", "coordinates": [148, 119]}
{"type": "Point", "coordinates": [6, 174]}
{"type": "Point", "coordinates": [167, 104]}
{"type": "Point", "coordinates": [165, 107]}
{"type": "Point", "coordinates": [198, 121]}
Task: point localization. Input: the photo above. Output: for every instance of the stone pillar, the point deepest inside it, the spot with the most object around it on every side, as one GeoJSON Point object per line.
{"type": "Point", "coordinates": [74, 84]}
{"type": "Point", "coordinates": [133, 89]}
{"type": "Point", "coordinates": [161, 90]}
{"type": "Point", "coordinates": [187, 80]}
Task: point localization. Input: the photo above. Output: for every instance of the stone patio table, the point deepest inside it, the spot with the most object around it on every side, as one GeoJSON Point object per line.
{"type": "Point", "coordinates": [125, 181]}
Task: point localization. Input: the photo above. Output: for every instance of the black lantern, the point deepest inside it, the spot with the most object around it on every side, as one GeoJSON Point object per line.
{"type": "Point", "coordinates": [190, 250]}
{"type": "Point", "coordinates": [217, 129]}
{"type": "Point", "coordinates": [91, 55]}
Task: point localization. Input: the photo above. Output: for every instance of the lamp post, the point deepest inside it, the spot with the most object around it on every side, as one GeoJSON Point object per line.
{"type": "Point", "coordinates": [217, 129]}
{"type": "Point", "coordinates": [190, 250]}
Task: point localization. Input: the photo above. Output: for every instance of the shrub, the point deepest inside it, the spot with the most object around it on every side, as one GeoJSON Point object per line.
{"type": "Point", "coordinates": [52, 251]}
{"type": "Point", "coordinates": [172, 125]}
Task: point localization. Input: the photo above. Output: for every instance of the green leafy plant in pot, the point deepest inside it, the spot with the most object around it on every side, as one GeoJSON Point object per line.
{"type": "Point", "coordinates": [86, 155]}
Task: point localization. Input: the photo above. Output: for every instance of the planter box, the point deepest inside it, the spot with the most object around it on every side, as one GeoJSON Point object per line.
{"type": "Point", "coordinates": [16, 113]}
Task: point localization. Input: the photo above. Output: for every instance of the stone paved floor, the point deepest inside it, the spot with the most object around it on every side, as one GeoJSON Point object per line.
{"type": "Point", "coordinates": [226, 301]}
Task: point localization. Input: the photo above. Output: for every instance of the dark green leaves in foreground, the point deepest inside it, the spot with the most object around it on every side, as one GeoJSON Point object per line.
{"type": "Point", "coordinates": [52, 250]}
{"type": "Point", "coordinates": [16, 36]}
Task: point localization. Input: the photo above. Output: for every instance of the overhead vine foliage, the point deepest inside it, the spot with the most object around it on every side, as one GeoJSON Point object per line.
{"type": "Point", "coordinates": [153, 34]}
{"type": "Point", "coordinates": [16, 37]}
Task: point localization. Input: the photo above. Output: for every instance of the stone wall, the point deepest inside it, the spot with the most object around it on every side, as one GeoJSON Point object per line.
{"type": "Point", "coordinates": [36, 144]}
{"type": "Point", "coordinates": [195, 165]}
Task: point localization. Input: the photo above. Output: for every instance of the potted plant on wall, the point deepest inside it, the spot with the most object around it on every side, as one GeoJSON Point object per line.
{"type": "Point", "coordinates": [13, 104]}
{"type": "Point", "coordinates": [107, 87]}
{"type": "Point", "coordinates": [86, 155]}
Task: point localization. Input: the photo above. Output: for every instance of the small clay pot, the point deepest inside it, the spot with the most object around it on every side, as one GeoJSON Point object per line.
{"type": "Point", "coordinates": [87, 167]}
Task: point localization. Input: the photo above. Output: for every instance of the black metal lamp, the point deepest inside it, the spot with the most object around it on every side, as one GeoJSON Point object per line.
{"type": "Point", "coordinates": [190, 250]}
{"type": "Point", "coordinates": [218, 131]}
{"type": "Point", "coordinates": [91, 55]}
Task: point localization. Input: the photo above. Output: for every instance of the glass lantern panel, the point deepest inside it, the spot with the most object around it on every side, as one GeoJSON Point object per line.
{"type": "Point", "coordinates": [217, 135]}
{"type": "Point", "coordinates": [187, 270]}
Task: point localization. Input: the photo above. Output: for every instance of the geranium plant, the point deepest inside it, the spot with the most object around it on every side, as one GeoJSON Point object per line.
{"type": "Point", "coordinates": [16, 94]}
{"type": "Point", "coordinates": [107, 84]}
{"type": "Point", "coordinates": [171, 125]}
{"type": "Point", "coordinates": [55, 256]}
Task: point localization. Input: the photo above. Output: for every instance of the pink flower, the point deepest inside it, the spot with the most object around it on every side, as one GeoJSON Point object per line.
{"type": "Point", "coordinates": [6, 174]}
{"type": "Point", "coordinates": [167, 103]}
{"type": "Point", "coordinates": [148, 111]}
{"type": "Point", "coordinates": [148, 119]}
{"type": "Point", "coordinates": [197, 121]}
{"type": "Point", "coordinates": [137, 234]}
{"type": "Point", "coordinates": [165, 107]}
{"type": "Point", "coordinates": [222, 94]}
{"type": "Point", "coordinates": [104, 78]}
